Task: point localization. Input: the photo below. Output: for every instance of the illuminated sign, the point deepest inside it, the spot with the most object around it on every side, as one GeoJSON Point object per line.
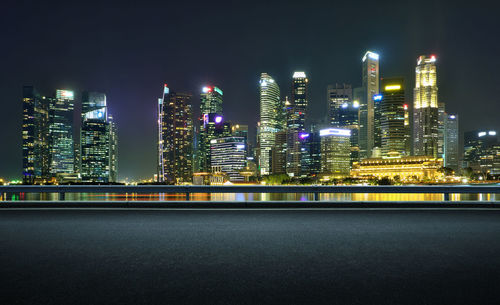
{"type": "Point", "coordinates": [299, 75]}
{"type": "Point", "coordinates": [371, 55]}
{"type": "Point", "coordinates": [304, 135]}
{"type": "Point", "coordinates": [65, 94]}
{"type": "Point", "coordinates": [392, 87]}
{"type": "Point", "coordinates": [452, 117]}
{"type": "Point", "coordinates": [481, 134]}
{"type": "Point", "coordinates": [335, 132]}
{"type": "Point", "coordinates": [492, 133]}
{"type": "Point", "coordinates": [377, 97]}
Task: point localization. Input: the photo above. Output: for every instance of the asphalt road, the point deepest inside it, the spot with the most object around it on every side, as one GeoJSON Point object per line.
{"type": "Point", "coordinates": [249, 256]}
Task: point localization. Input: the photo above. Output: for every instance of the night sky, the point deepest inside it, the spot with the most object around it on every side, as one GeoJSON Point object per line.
{"type": "Point", "coordinates": [128, 49]}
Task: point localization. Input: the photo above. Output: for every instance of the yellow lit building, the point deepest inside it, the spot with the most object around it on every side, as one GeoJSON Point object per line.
{"type": "Point", "coordinates": [414, 168]}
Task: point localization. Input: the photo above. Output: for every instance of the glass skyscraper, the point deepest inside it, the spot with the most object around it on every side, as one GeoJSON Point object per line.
{"type": "Point", "coordinates": [370, 78]}
{"type": "Point", "coordinates": [61, 148]}
{"type": "Point", "coordinates": [337, 95]}
{"type": "Point", "coordinates": [392, 118]}
{"type": "Point", "coordinates": [335, 152]}
{"type": "Point", "coordinates": [228, 155]}
{"type": "Point", "coordinates": [451, 154]}
{"type": "Point", "coordinates": [270, 122]}
{"type": "Point", "coordinates": [425, 112]}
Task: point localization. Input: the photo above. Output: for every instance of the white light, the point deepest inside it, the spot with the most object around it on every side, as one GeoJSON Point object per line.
{"type": "Point", "coordinates": [344, 105]}
{"type": "Point", "coordinates": [492, 133]}
{"type": "Point", "coordinates": [355, 104]}
{"type": "Point", "coordinates": [481, 134]}
{"type": "Point", "coordinates": [240, 146]}
{"type": "Point", "coordinates": [299, 75]}
{"type": "Point", "coordinates": [206, 89]}
{"type": "Point", "coordinates": [263, 83]}
{"type": "Point", "coordinates": [452, 117]}
{"type": "Point", "coordinates": [371, 55]}
{"type": "Point", "coordinates": [335, 132]}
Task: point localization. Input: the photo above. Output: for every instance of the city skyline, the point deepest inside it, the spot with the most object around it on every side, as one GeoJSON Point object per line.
{"type": "Point", "coordinates": [133, 100]}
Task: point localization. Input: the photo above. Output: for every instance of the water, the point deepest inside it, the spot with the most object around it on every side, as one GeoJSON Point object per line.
{"type": "Point", "coordinates": [341, 197]}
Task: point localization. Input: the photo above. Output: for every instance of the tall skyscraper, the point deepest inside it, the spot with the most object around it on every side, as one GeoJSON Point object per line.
{"type": "Point", "coordinates": [425, 103]}
{"type": "Point", "coordinates": [349, 119]}
{"type": "Point", "coordinates": [211, 124]}
{"type": "Point", "coordinates": [335, 151]}
{"type": "Point", "coordinates": [270, 111]}
{"type": "Point", "coordinates": [370, 87]}
{"type": "Point", "coordinates": [337, 95]}
{"type": "Point", "coordinates": [451, 154]}
{"type": "Point", "coordinates": [392, 118]}
{"type": "Point", "coordinates": [176, 137]}
{"type": "Point", "coordinates": [482, 152]}
{"type": "Point", "coordinates": [61, 148]}
{"type": "Point", "coordinates": [441, 129]}
{"type": "Point", "coordinates": [296, 115]}
{"type": "Point", "coordinates": [98, 144]}
{"type": "Point", "coordinates": [310, 163]}
{"type": "Point", "coordinates": [35, 140]}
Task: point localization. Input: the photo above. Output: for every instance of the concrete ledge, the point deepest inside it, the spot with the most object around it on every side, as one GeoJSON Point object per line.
{"type": "Point", "coordinates": [250, 204]}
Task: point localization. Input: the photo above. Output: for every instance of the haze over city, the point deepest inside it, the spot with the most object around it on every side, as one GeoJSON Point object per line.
{"type": "Point", "coordinates": [130, 52]}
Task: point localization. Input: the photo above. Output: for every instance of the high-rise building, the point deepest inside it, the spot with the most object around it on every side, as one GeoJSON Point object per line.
{"type": "Point", "coordinates": [392, 118]}
{"type": "Point", "coordinates": [482, 151]}
{"type": "Point", "coordinates": [370, 78]}
{"type": "Point", "coordinates": [335, 152]}
{"type": "Point", "coordinates": [61, 148]}
{"type": "Point", "coordinates": [176, 137]}
{"type": "Point", "coordinates": [211, 125]}
{"type": "Point", "coordinates": [113, 150]}
{"type": "Point", "coordinates": [441, 129]}
{"type": "Point", "coordinates": [228, 155]}
{"type": "Point", "coordinates": [426, 112]}
{"type": "Point", "coordinates": [349, 119]}
{"type": "Point", "coordinates": [270, 112]}
{"type": "Point", "coordinates": [310, 163]}
{"type": "Point", "coordinates": [296, 115]}
{"type": "Point", "coordinates": [451, 154]}
{"type": "Point", "coordinates": [408, 133]}
{"type": "Point", "coordinates": [96, 156]}
{"type": "Point", "coordinates": [35, 139]}
{"type": "Point", "coordinates": [337, 95]}
{"type": "Point", "coordinates": [279, 153]}
{"type": "Point", "coordinates": [377, 127]}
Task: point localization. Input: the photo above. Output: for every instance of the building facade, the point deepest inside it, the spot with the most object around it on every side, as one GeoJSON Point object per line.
{"type": "Point", "coordinates": [337, 95]}
{"type": "Point", "coordinates": [370, 78]}
{"type": "Point", "coordinates": [426, 110]}
{"type": "Point", "coordinates": [229, 157]}
{"type": "Point", "coordinates": [451, 144]}
{"type": "Point", "coordinates": [392, 120]}
{"type": "Point", "coordinates": [335, 152]}
{"type": "Point", "coordinates": [61, 148]}
{"type": "Point", "coordinates": [270, 110]}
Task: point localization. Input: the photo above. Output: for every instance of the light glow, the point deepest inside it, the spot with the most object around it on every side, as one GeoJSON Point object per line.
{"type": "Point", "coordinates": [392, 87]}
{"type": "Point", "coordinates": [207, 89]}
{"type": "Point", "coordinates": [335, 132]}
{"type": "Point", "coordinates": [492, 133]}
{"type": "Point", "coordinates": [218, 119]}
{"type": "Point", "coordinates": [299, 75]}
{"type": "Point", "coordinates": [377, 97]}
{"type": "Point", "coordinates": [371, 55]}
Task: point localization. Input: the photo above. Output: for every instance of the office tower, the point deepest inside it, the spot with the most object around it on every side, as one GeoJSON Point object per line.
{"type": "Point", "coordinates": [377, 128]}
{"type": "Point", "coordinates": [94, 138]}
{"type": "Point", "coordinates": [348, 115]}
{"type": "Point", "coordinates": [113, 150]}
{"type": "Point", "coordinates": [441, 129]}
{"type": "Point", "coordinates": [370, 78]}
{"type": "Point", "coordinates": [61, 148]}
{"type": "Point", "coordinates": [392, 119]}
{"type": "Point", "coordinates": [270, 109]}
{"type": "Point", "coordinates": [451, 158]}
{"type": "Point", "coordinates": [310, 163]}
{"type": "Point", "coordinates": [425, 103]}
{"type": "Point", "coordinates": [176, 137]}
{"type": "Point", "coordinates": [78, 158]}
{"type": "Point", "coordinates": [482, 152]}
{"type": "Point", "coordinates": [296, 114]}
{"type": "Point", "coordinates": [228, 155]}
{"type": "Point", "coordinates": [35, 141]}
{"type": "Point", "coordinates": [211, 125]}
{"type": "Point", "coordinates": [337, 95]}
{"type": "Point", "coordinates": [408, 133]}
{"type": "Point", "coordinates": [279, 153]}
{"type": "Point", "coordinates": [335, 151]}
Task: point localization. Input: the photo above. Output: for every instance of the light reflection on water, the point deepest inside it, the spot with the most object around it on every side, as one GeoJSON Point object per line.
{"type": "Point", "coordinates": [340, 197]}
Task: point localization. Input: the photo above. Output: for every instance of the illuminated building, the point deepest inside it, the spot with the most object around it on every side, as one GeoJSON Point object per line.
{"type": "Point", "coordinates": [61, 148]}
{"type": "Point", "coordinates": [377, 133]}
{"type": "Point", "coordinates": [270, 109]}
{"type": "Point", "coordinates": [337, 95]}
{"type": "Point", "coordinates": [426, 112]}
{"type": "Point", "coordinates": [211, 125]}
{"type": "Point", "coordinates": [370, 78]}
{"type": "Point", "coordinates": [176, 137]}
{"type": "Point", "coordinates": [35, 141]}
{"type": "Point", "coordinates": [394, 132]}
{"type": "Point", "coordinates": [335, 152]}
{"type": "Point", "coordinates": [310, 163]}
{"type": "Point", "coordinates": [279, 153]}
{"type": "Point", "coordinates": [296, 114]}
{"type": "Point", "coordinates": [441, 129]}
{"type": "Point", "coordinates": [408, 133]}
{"type": "Point", "coordinates": [482, 151]}
{"type": "Point", "coordinates": [228, 155]}
{"type": "Point", "coordinates": [348, 115]}
{"type": "Point", "coordinates": [451, 154]}
{"type": "Point", "coordinates": [394, 166]}
{"type": "Point", "coordinates": [98, 145]}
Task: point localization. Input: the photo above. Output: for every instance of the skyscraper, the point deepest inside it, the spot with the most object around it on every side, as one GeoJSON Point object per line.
{"type": "Point", "coordinates": [176, 137]}
{"type": "Point", "coordinates": [310, 163]}
{"type": "Point", "coordinates": [441, 129]}
{"type": "Point", "coordinates": [61, 133]}
{"type": "Point", "coordinates": [35, 140]}
{"type": "Point", "coordinates": [451, 155]}
{"type": "Point", "coordinates": [228, 155]}
{"type": "Point", "coordinates": [337, 95]}
{"type": "Point", "coordinates": [482, 152]}
{"type": "Point", "coordinates": [348, 115]}
{"type": "Point", "coordinates": [335, 151]}
{"type": "Point", "coordinates": [296, 115]}
{"type": "Point", "coordinates": [270, 110]}
{"type": "Point", "coordinates": [98, 142]}
{"type": "Point", "coordinates": [392, 119]}
{"type": "Point", "coordinates": [425, 103]}
{"type": "Point", "coordinates": [370, 87]}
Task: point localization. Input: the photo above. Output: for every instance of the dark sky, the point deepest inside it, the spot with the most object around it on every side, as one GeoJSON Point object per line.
{"type": "Point", "coordinates": [128, 49]}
